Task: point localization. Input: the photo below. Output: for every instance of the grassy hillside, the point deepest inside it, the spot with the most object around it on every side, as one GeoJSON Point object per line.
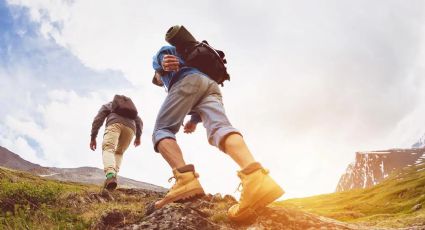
{"type": "Point", "coordinates": [389, 204]}
{"type": "Point", "coordinates": [31, 202]}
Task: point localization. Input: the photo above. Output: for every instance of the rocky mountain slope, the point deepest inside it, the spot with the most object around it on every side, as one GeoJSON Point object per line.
{"type": "Point", "coordinates": [11, 160]}
{"type": "Point", "coordinates": [89, 175]}
{"type": "Point", "coordinates": [370, 168]}
{"type": "Point", "coordinates": [32, 202]}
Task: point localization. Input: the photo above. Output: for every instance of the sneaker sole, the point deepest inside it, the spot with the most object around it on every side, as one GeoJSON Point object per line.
{"type": "Point", "coordinates": [261, 203]}
{"type": "Point", "coordinates": [111, 186]}
{"type": "Point", "coordinates": [189, 195]}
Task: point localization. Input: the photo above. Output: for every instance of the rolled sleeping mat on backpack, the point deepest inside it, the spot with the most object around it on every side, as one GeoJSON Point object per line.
{"type": "Point", "coordinates": [181, 38]}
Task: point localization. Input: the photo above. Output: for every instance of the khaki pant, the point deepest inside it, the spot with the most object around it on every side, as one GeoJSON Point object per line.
{"type": "Point", "coordinates": [116, 140]}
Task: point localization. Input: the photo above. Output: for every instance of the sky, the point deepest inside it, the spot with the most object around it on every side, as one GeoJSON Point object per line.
{"type": "Point", "coordinates": [312, 82]}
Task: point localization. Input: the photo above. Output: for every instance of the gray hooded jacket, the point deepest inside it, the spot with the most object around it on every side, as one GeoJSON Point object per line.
{"type": "Point", "coordinates": [106, 112]}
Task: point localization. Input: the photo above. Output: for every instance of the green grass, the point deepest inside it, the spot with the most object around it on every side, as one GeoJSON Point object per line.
{"type": "Point", "coordinates": [31, 202]}
{"type": "Point", "coordinates": [387, 204]}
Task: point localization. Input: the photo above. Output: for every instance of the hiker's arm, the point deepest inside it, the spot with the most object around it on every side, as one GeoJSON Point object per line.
{"type": "Point", "coordinates": [190, 126]}
{"type": "Point", "coordinates": [139, 128]}
{"type": "Point", "coordinates": [97, 123]}
{"type": "Point", "coordinates": [195, 118]}
{"type": "Point", "coordinates": [166, 60]}
{"type": "Point", "coordinates": [157, 79]}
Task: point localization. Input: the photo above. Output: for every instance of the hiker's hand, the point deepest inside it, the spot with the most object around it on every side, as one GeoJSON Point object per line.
{"type": "Point", "coordinates": [170, 63]}
{"type": "Point", "coordinates": [93, 145]}
{"type": "Point", "coordinates": [189, 127]}
{"type": "Point", "coordinates": [137, 142]}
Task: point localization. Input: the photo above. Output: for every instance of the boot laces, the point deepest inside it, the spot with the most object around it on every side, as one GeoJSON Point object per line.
{"type": "Point", "coordinates": [240, 189]}
{"type": "Point", "coordinates": [240, 186]}
{"type": "Point", "coordinates": [171, 179]}
{"type": "Point", "coordinates": [175, 179]}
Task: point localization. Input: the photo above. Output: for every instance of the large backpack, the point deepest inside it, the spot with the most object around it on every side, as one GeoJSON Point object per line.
{"type": "Point", "coordinates": [208, 60]}
{"type": "Point", "coordinates": [124, 106]}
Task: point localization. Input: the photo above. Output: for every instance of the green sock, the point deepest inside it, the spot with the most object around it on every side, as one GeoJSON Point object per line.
{"type": "Point", "coordinates": [110, 175]}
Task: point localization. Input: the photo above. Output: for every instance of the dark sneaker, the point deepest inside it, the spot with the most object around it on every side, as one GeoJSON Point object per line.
{"type": "Point", "coordinates": [110, 183]}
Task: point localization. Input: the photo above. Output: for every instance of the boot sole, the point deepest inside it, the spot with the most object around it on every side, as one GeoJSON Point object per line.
{"type": "Point", "coordinates": [189, 195]}
{"type": "Point", "coordinates": [261, 203]}
{"type": "Point", "coordinates": [192, 198]}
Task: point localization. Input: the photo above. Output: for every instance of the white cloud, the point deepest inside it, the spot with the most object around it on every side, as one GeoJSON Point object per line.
{"type": "Point", "coordinates": [20, 145]}
{"type": "Point", "coordinates": [60, 135]}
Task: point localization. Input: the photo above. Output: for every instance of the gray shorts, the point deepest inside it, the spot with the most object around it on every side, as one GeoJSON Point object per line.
{"type": "Point", "coordinates": [194, 93]}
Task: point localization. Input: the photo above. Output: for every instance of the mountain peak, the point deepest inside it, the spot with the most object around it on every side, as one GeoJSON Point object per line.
{"type": "Point", "coordinates": [372, 167]}
{"type": "Point", "coordinates": [12, 160]}
{"type": "Point", "coordinates": [420, 143]}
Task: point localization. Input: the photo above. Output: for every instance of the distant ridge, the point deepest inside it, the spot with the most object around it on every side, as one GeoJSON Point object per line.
{"type": "Point", "coordinates": [11, 160]}
{"type": "Point", "coordinates": [88, 175]}
{"type": "Point", "coordinates": [420, 143]}
{"type": "Point", "coordinates": [372, 167]}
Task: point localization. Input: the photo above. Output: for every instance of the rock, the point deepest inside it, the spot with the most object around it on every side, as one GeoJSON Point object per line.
{"type": "Point", "coordinates": [174, 216]}
{"type": "Point", "coordinates": [107, 195]}
{"type": "Point", "coordinates": [112, 219]}
{"type": "Point", "coordinates": [150, 208]}
{"type": "Point", "coordinates": [229, 199]}
{"type": "Point", "coordinates": [100, 199]}
{"type": "Point", "coordinates": [416, 207]}
{"type": "Point", "coordinates": [216, 197]}
{"type": "Point", "coordinates": [208, 197]}
{"type": "Point", "coordinates": [210, 211]}
{"type": "Point", "coordinates": [81, 200]}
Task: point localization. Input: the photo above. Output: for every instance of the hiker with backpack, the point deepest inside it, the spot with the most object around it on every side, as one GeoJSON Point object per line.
{"type": "Point", "coordinates": [191, 72]}
{"type": "Point", "coordinates": [122, 123]}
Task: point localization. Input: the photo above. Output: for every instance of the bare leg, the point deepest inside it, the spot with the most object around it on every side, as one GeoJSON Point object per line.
{"type": "Point", "coordinates": [171, 152]}
{"type": "Point", "coordinates": [259, 189]}
{"type": "Point", "coordinates": [187, 184]}
{"type": "Point", "coordinates": [236, 148]}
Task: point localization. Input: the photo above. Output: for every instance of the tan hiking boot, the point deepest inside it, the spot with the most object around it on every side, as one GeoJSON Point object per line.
{"type": "Point", "coordinates": [187, 186]}
{"type": "Point", "coordinates": [258, 190]}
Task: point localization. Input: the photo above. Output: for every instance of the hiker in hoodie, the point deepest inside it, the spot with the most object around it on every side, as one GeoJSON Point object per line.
{"type": "Point", "coordinates": [192, 92]}
{"type": "Point", "coordinates": [122, 124]}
